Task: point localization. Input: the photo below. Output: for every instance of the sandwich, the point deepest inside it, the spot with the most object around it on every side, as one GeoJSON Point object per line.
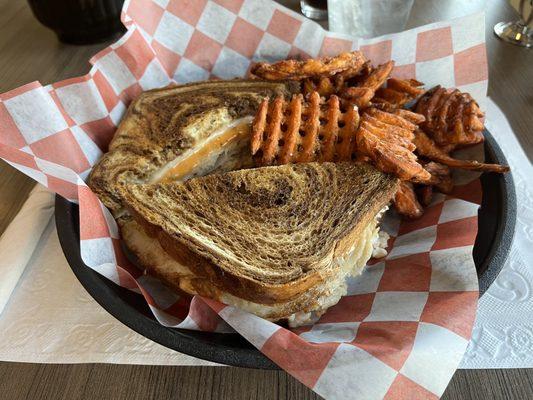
{"type": "Point", "coordinates": [277, 241]}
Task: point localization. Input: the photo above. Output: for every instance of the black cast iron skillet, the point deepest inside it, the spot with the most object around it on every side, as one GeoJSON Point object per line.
{"type": "Point", "coordinates": [497, 216]}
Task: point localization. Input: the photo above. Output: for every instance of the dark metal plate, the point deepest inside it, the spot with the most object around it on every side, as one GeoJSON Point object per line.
{"type": "Point", "coordinates": [497, 216]}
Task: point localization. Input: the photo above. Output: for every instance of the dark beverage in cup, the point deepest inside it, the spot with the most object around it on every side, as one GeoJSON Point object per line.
{"type": "Point", "coordinates": [80, 21]}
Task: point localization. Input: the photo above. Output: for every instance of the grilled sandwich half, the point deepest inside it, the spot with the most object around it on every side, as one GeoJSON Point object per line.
{"type": "Point", "coordinates": [275, 241]}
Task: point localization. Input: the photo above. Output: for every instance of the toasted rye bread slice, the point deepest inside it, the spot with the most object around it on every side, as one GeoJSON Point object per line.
{"type": "Point", "coordinates": [163, 123]}
{"type": "Point", "coordinates": [266, 234]}
{"type": "Point", "coordinates": [153, 258]}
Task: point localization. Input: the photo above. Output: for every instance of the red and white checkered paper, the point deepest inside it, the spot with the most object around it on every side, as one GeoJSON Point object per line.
{"type": "Point", "coordinates": [403, 327]}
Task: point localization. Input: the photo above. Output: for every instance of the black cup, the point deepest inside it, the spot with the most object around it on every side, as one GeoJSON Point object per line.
{"type": "Point", "coordinates": [80, 21]}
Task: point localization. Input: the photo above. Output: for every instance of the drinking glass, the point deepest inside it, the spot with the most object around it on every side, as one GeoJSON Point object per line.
{"type": "Point", "coordinates": [368, 18]}
{"type": "Point", "coordinates": [518, 32]}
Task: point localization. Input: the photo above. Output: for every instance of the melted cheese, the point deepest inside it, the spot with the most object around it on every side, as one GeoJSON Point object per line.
{"type": "Point", "coordinates": [182, 166]}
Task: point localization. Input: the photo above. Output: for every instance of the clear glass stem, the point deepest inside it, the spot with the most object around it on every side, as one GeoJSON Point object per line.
{"type": "Point", "coordinates": [516, 33]}
{"type": "Point", "coordinates": [314, 9]}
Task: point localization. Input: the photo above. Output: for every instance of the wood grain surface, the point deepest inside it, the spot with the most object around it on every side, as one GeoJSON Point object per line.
{"type": "Point", "coordinates": [29, 51]}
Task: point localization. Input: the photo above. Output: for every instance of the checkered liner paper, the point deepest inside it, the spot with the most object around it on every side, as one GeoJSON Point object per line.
{"type": "Point", "coordinates": [403, 327]}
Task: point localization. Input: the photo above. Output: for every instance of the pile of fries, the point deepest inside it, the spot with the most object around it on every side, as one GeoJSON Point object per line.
{"type": "Point", "coordinates": [350, 110]}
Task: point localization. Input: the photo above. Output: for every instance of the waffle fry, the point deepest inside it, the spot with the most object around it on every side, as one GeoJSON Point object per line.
{"type": "Point", "coordinates": [377, 76]}
{"type": "Point", "coordinates": [297, 131]}
{"type": "Point", "coordinates": [399, 92]}
{"type": "Point", "coordinates": [410, 116]}
{"type": "Point", "coordinates": [358, 96]}
{"type": "Point", "coordinates": [452, 117]}
{"type": "Point", "coordinates": [406, 203]}
{"type": "Point", "coordinates": [325, 86]}
{"type": "Point", "coordinates": [351, 75]}
{"type": "Point", "coordinates": [387, 140]}
{"type": "Point", "coordinates": [329, 76]}
{"type": "Point", "coordinates": [362, 94]}
{"type": "Point", "coordinates": [297, 70]}
{"type": "Point", "coordinates": [319, 131]}
{"type": "Point", "coordinates": [441, 176]}
{"type": "Point", "coordinates": [424, 195]}
{"type": "Point", "coordinates": [426, 147]}
{"type": "Point", "coordinates": [328, 85]}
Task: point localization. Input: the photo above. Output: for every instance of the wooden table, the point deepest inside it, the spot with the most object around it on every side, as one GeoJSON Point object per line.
{"type": "Point", "coordinates": [28, 52]}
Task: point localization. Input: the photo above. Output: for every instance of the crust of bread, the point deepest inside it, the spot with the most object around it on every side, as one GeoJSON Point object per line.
{"type": "Point", "coordinates": [360, 190]}
{"type": "Point", "coordinates": [163, 123]}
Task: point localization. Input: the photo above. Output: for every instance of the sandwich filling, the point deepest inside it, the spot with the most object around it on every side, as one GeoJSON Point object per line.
{"type": "Point", "coordinates": [222, 149]}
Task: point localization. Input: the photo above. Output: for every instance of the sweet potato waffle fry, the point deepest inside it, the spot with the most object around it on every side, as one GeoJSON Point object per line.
{"type": "Point", "coordinates": [410, 116]}
{"type": "Point", "coordinates": [297, 70]}
{"type": "Point", "coordinates": [399, 92]}
{"type": "Point", "coordinates": [349, 76]}
{"type": "Point", "coordinates": [406, 202]}
{"type": "Point", "coordinates": [387, 139]}
{"type": "Point", "coordinates": [363, 92]}
{"type": "Point", "coordinates": [325, 86]}
{"type": "Point", "coordinates": [328, 85]}
{"type": "Point", "coordinates": [297, 131]}
{"type": "Point", "coordinates": [335, 84]}
{"type": "Point", "coordinates": [426, 147]}
{"type": "Point", "coordinates": [318, 130]}
{"type": "Point", "coordinates": [453, 118]}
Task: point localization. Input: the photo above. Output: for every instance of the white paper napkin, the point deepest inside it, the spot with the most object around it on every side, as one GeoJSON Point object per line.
{"type": "Point", "coordinates": [503, 333]}
{"type": "Point", "coordinates": [49, 317]}
{"type": "Point", "coordinates": [39, 324]}
{"type": "Point", "coordinates": [21, 237]}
